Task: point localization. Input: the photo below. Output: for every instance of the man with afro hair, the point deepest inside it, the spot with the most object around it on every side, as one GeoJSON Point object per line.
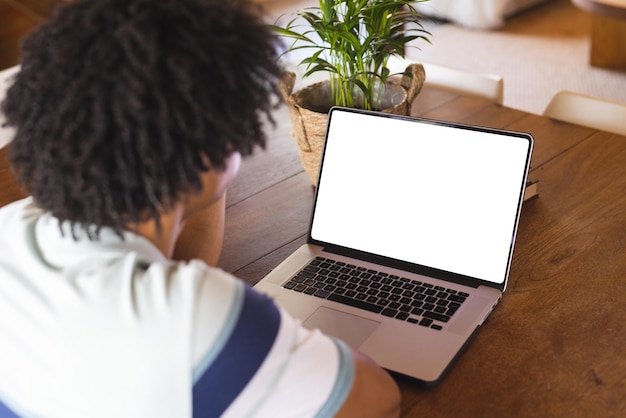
{"type": "Point", "coordinates": [131, 118]}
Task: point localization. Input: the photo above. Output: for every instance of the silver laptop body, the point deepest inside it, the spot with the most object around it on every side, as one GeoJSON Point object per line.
{"type": "Point", "coordinates": [421, 216]}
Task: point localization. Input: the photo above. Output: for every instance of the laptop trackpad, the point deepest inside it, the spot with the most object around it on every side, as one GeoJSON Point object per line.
{"type": "Point", "coordinates": [352, 329]}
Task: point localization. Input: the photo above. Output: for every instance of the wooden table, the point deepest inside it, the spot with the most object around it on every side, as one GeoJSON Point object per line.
{"type": "Point", "coordinates": [555, 346]}
{"type": "Point", "coordinates": [37, 9]}
{"type": "Point", "coordinates": [608, 36]}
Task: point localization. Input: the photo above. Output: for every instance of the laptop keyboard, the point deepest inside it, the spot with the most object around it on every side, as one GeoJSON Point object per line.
{"type": "Point", "coordinates": [389, 295]}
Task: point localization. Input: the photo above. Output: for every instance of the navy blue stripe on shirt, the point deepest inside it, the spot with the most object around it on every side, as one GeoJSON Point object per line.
{"type": "Point", "coordinates": [251, 339]}
{"type": "Point", "coordinates": [6, 412]}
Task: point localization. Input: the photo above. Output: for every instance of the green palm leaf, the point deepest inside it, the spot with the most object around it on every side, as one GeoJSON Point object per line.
{"type": "Point", "coordinates": [352, 41]}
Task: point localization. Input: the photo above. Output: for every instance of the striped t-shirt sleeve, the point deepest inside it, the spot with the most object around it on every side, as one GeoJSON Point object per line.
{"type": "Point", "coordinates": [250, 338]}
{"type": "Point", "coordinates": [266, 364]}
{"type": "Point", "coordinates": [5, 412]}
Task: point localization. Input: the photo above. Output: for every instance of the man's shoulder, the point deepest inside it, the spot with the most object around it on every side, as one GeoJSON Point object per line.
{"type": "Point", "coordinates": [19, 211]}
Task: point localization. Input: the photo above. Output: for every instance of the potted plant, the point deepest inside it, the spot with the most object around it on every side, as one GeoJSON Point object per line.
{"type": "Point", "coordinates": [351, 41]}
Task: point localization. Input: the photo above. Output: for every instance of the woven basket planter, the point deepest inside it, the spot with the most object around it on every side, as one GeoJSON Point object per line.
{"type": "Point", "coordinates": [308, 111]}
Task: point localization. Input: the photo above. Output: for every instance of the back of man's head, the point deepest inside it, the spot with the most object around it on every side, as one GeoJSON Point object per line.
{"type": "Point", "coordinates": [120, 104]}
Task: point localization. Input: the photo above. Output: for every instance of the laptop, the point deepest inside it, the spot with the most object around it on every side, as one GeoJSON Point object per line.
{"type": "Point", "coordinates": [411, 237]}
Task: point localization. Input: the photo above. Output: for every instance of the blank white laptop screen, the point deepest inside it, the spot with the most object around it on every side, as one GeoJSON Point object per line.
{"type": "Point", "coordinates": [425, 193]}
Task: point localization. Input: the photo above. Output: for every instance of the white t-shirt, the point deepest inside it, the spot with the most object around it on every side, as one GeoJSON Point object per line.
{"type": "Point", "coordinates": [110, 328]}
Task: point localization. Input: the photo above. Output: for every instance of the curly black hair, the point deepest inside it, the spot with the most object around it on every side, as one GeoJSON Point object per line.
{"type": "Point", "coordinates": [121, 105]}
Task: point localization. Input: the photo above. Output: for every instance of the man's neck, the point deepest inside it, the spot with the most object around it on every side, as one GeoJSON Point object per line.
{"type": "Point", "coordinates": [165, 237]}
